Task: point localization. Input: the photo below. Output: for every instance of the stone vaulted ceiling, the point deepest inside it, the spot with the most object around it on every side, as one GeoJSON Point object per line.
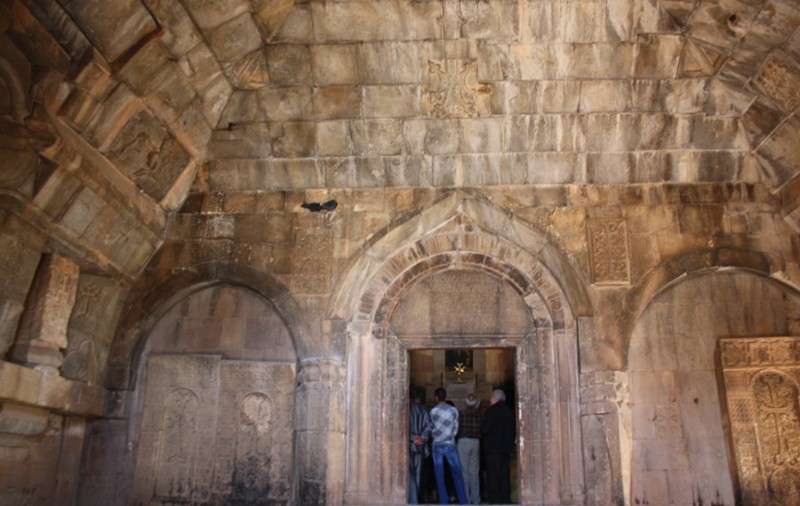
{"type": "Point", "coordinates": [120, 109]}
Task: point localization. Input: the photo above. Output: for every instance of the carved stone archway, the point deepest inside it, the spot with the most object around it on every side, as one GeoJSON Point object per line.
{"type": "Point", "coordinates": [550, 452]}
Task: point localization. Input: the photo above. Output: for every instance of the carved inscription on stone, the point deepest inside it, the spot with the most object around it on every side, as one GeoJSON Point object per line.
{"type": "Point", "coordinates": [608, 241]}
{"type": "Point", "coordinates": [173, 474]}
{"type": "Point", "coordinates": [780, 79]}
{"type": "Point", "coordinates": [466, 312]}
{"type": "Point", "coordinates": [761, 381]}
{"type": "Point", "coordinates": [43, 328]}
{"type": "Point", "coordinates": [311, 266]}
{"type": "Point", "coordinates": [453, 88]}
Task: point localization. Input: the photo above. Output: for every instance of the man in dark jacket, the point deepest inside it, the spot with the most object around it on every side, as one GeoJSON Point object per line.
{"type": "Point", "coordinates": [420, 426]}
{"type": "Point", "coordinates": [498, 433]}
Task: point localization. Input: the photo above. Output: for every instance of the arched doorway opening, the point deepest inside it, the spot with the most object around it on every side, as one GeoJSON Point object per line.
{"type": "Point", "coordinates": [461, 233]}
{"type": "Point", "coordinates": [463, 371]}
{"type": "Point", "coordinates": [523, 311]}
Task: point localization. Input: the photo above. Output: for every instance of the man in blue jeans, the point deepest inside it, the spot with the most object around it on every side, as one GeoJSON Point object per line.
{"type": "Point", "coordinates": [445, 428]}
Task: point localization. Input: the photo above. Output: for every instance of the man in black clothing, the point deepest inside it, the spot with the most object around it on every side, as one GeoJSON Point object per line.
{"type": "Point", "coordinates": [498, 434]}
{"type": "Point", "coordinates": [420, 427]}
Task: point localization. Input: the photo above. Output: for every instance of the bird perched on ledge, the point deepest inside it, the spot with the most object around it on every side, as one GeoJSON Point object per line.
{"type": "Point", "coordinates": [316, 207]}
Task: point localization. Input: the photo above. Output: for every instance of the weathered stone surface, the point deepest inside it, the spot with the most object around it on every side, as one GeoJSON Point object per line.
{"type": "Point", "coordinates": [124, 24]}
{"type": "Point", "coordinates": [391, 101]}
{"type": "Point", "coordinates": [234, 38]}
{"type": "Point", "coordinates": [181, 34]}
{"type": "Point", "coordinates": [10, 312]}
{"type": "Point", "coordinates": [362, 20]}
{"type": "Point", "coordinates": [778, 153]}
{"type": "Point", "coordinates": [214, 13]}
{"type": "Point", "coordinates": [241, 141]}
{"type": "Point", "coordinates": [377, 137]}
{"type": "Point", "coordinates": [604, 96]}
{"type": "Point", "coordinates": [657, 57]}
{"type": "Point", "coordinates": [407, 62]}
{"type": "Point", "coordinates": [289, 65]}
{"type": "Point", "coordinates": [97, 305]}
{"type": "Point", "coordinates": [270, 15]}
{"type": "Point", "coordinates": [147, 153]}
{"type": "Point", "coordinates": [337, 102]}
{"type": "Point", "coordinates": [334, 64]}
{"type": "Point", "coordinates": [22, 420]}
{"type": "Point", "coordinates": [44, 324]}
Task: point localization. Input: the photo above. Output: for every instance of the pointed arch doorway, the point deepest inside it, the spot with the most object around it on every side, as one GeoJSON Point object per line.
{"type": "Point", "coordinates": [462, 299]}
{"type": "Point", "coordinates": [464, 234]}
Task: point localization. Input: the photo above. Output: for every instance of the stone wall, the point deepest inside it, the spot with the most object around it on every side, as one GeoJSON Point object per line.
{"type": "Point", "coordinates": [593, 158]}
{"type": "Point", "coordinates": [678, 425]}
{"type": "Point", "coordinates": [622, 245]}
{"type": "Point", "coordinates": [211, 418]}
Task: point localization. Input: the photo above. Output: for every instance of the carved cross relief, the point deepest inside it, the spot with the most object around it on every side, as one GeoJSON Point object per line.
{"type": "Point", "coordinates": [762, 378]}
{"type": "Point", "coordinates": [453, 88]}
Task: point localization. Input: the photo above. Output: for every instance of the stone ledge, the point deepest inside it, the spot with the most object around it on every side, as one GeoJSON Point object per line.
{"type": "Point", "coordinates": [30, 387]}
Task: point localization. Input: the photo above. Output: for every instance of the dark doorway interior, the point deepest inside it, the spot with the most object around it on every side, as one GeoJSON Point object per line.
{"type": "Point", "coordinates": [461, 371]}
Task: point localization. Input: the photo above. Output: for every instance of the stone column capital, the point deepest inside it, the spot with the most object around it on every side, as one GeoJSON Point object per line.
{"type": "Point", "coordinates": [320, 370]}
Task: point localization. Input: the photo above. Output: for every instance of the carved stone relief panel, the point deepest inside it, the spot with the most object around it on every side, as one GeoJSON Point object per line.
{"type": "Point", "coordinates": [148, 154]}
{"type": "Point", "coordinates": [252, 460]}
{"type": "Point", "coordinates": [453, 90]}
{"type": "Point", "coordinates": [177, 429]}
{"type": "Point", "coordinates": [312, 266]}
{"type": "Point", "coordinates": [459, 303]}
{"type": "Point", "coordinates": [176, 452]}
{"type": "Point", "coordinates": [97, 306]}
{"type": "Point", "coordinates": [216, 431]}
{"type": "Point", "coordinates": [608, 240]}
{"type": "Point", "coordinates": [762, 378]}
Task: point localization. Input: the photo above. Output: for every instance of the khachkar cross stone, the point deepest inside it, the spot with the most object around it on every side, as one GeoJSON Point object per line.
{"type": "Point", "coordinates": [762, 382]}
{"type": "Point", "coordinates": [778, 416]}
{"type": "Point", "coordinates": [174, 467]}
{"type": "Point", "coordinates": [608, 240]}
{"type": "Point", "coordinates": [453, 89]}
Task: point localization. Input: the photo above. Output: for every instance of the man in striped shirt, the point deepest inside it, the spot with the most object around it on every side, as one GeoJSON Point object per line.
{"type": "Point", "coordinates": [445, 428]}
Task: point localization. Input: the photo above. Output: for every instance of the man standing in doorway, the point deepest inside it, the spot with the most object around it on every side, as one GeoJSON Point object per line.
{"type": "Point", "coordinates": [469, 434]}
{"type": "Point", "coordinates": [445, 428]}
{"type": "Point", "coordinates": [419, 426]}
{"type": "Point", "coordinates": [498, 430]}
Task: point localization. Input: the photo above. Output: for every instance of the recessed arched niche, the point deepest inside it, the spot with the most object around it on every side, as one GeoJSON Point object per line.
{"type": "Point", "coordinates": [215, 402]}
